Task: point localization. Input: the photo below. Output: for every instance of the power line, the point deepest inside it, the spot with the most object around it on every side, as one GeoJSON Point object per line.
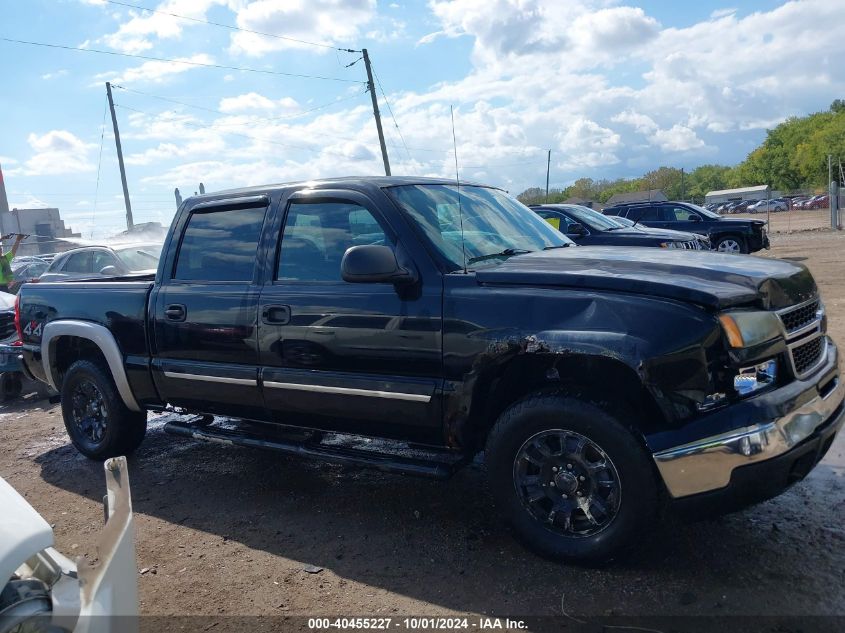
{"type": "Point", "coordinates": [220, 112]}
{"type": "Point", "coordinates": [178, 61]}
{"type": "Point", "coordinates": [231, 28]}
{"type": "Point", "coordinates": [253, 138]}
{"type": "Point", "coordinates": [220, 126]}
{"type": "Point", "coordinates": [99, 164]}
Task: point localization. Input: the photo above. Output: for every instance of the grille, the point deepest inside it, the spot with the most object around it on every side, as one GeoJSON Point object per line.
{"type": "Point", "coordinates": [807, 356]}
{"type": "Point", "coordinates": [800, 317]}
{"type": "Point", "coordinates": [692, 245]}
{"type": "Point", "coordinates": [7, 325]}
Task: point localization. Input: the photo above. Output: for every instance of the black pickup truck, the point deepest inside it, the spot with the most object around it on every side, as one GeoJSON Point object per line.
{"type": "Point", "coordinates": [411, 324]}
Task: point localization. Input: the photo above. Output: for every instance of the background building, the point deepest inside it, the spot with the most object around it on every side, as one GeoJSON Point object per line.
{"type": "Point", "coordinates": [760, 192]}
{"type": "Point", "coordinates": [636, 196]}
{"type": "Point", "coordinates": [44, 225]}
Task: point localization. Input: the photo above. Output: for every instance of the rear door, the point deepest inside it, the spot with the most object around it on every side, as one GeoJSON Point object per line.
{"type": "Point", "coordinates": [650, 215]}
{"type": "Point", "coordinates": [335, 354]}
{"type": "Point", "coordinates": [205, 310]}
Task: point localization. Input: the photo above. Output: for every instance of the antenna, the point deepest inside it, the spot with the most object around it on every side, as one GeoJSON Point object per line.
{"type": "Point", "coordinates": [458, 183]}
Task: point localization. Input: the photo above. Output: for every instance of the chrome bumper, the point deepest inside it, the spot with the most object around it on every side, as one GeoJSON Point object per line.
{"type": "Point", "coordinates": [707, 464]}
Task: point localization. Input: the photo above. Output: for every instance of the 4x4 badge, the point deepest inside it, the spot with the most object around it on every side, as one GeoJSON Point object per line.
{"type": "Point", "coordinates": [33, 328]}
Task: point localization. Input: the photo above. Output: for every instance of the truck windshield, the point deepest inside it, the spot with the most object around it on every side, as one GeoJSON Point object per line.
{"type": "Point", "coordinates": [495, 226]}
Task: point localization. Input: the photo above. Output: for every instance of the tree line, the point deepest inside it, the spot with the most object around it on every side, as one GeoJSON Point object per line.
{"type": "Point", "coordinates": [793, 157]}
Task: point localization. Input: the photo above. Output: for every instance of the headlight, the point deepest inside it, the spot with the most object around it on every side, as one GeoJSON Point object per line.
{"type": "Point", "coordinates": [746, 329]}
{"type": "Point", "coordinates": [751, 379]}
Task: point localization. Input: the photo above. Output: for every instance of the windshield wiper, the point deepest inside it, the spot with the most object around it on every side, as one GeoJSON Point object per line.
{"type": "Point", "coordinates": [508, 252]}
{"type": "Point", "coordinates": [549, 248]}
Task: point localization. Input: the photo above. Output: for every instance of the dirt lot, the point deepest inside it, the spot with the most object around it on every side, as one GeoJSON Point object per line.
{"type": "Point", "coordinates": [225, 531]}
{"type": "Point", "coordinates": [792, 221]}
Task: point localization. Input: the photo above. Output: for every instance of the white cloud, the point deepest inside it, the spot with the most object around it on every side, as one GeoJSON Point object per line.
{"type": "Point", "coordinates": [137, 34]}
{"type": "Point", "coordinates": [721, 13]}
{"type": "Point", "coordinates": [54, 75]}
{"type": "Point", "coordinates": [254, 101]}
{"type": "Point", "coordinates": [55, 152]}
{"type": "Point", "coordinates": [155, 72]}
{"type": "Point", "coordinates": [327, 22]}
{"type": "Point", "coordinates": [678, 138]}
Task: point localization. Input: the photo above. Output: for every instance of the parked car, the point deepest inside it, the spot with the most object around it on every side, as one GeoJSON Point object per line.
{"type": "Point", "coordinates": [603, 385]}
{"type": "Point", "coordinates": [728, 235]}
{"type": "Point", "coordinates": [796, 201]}
{"type": "Point", "coordinates": [742, 206]}
{"type": "Point", "coordinates": [103, 261]}
{"type": "Point", "coordinates": [821, 201]}
{"type": "Point", "coordinates": [28, 270]}
{"type": "Point", "coordinates": [11, 382]}
{"type": "Point", "coordinates": [587, 227]}
{"type": "Point", "coordinates": [44, 590]}
{"type": "Point", "coordinates": [773, 206]}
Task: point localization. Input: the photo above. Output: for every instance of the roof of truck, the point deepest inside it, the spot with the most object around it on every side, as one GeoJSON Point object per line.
{"type": "Point", "coordinates": [322, 183]}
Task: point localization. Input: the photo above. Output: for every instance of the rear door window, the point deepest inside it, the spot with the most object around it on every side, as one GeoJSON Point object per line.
{"type": "Point", "coordinates": [644, 214]}
{"type": "Point", "coordinates": [220, 245]}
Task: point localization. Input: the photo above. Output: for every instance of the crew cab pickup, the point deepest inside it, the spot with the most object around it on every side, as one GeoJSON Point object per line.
{"type": "Point", "coordinates": [411, 324]}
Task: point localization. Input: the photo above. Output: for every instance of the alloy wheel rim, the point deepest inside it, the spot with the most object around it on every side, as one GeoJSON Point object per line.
{"type": "Point", "coordinates": [90, 416]}
{"type": "Point", "coordinates": [729, 246]}
{"type": "Point", "coordinates": [567, 482]}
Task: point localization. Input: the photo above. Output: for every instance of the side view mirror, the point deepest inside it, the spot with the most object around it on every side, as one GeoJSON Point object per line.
{"type": "Point", "coordinates": [576, 229]}
{"type": "Point", "coordinates": [109, 271]}
{"type": "Point", "coordinates": [694, 218]}
{"type": "Point", "coordinates": [372, 263]}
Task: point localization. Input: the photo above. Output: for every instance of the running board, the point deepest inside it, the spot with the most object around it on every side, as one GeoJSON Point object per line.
{"type": "Point", "coordinates": [432, 463]}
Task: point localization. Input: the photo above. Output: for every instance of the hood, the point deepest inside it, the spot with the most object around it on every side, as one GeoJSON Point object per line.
{"type": "Point", "coordinates": [647, 231]}
{"type": "Point", "coordinates": [714, 280]}
{"type": "Point", "coordinates": [23, 532]}
{"type": "Point", "coordinates": [743, 221]}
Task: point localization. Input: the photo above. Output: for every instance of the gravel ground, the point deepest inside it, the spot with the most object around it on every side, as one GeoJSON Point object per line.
{"type": "Point", "coordinates": [231, 531]}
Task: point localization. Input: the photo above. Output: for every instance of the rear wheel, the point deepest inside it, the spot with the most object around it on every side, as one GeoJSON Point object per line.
{"type": "Point", "coordinates": [97, 421]}
{"type": "Point", "coordinates": [731, 244]}
{"type": "Point", "coordinates": [570, 478]}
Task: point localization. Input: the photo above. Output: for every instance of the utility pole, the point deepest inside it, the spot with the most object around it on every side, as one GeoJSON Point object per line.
{"type": "Point", "coordinates": [129, 224]}
{"type": "Point", "coordinates": [683, 190]}
{"type": "Point", "coordinates": [831, 195]}
{"type": "Point", "coordinates": [372, 90]}
{"type": "Point", "coordinates": [548, 168]}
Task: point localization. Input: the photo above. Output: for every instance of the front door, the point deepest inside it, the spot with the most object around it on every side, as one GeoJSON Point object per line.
{"type": "Point", "coordinates": [335, 353]}
{"type": "Point", "coordinates": [682, 218]}
{"type": "Point", "coordinates": [205, 311]}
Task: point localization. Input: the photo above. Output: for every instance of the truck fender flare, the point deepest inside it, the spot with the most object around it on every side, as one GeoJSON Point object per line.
{"type": "Point", "coordinates": [102, 338]}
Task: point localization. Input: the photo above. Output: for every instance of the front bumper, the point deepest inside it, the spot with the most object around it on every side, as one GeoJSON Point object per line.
{"type": "Point", "coordinates": [808, 421]}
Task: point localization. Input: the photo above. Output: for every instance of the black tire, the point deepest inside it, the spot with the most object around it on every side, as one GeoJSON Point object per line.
{"type": "Point", "coordinates": [723, 242]}
{"type": "Point", "coordinates": [572, 535]}
{"type": "Point", "coordinates": [98, 423]}
{"type": "Point", "coordinates": [11, 385]}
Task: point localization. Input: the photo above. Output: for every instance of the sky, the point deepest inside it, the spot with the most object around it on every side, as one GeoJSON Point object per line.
{"type": "Point", "coordinates": [612, 89]}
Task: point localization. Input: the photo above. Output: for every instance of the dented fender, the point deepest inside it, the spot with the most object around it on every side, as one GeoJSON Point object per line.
{"type": "Point", "coordinates": [570, 336]}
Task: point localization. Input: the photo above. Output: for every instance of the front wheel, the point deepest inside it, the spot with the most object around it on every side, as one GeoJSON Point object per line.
{"type": "Point", "coordinates": [570, 478]}
{"type": "Point", "coordinates": [731, 244]}
{"type": "Point", "coordinates": [98, 423]}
